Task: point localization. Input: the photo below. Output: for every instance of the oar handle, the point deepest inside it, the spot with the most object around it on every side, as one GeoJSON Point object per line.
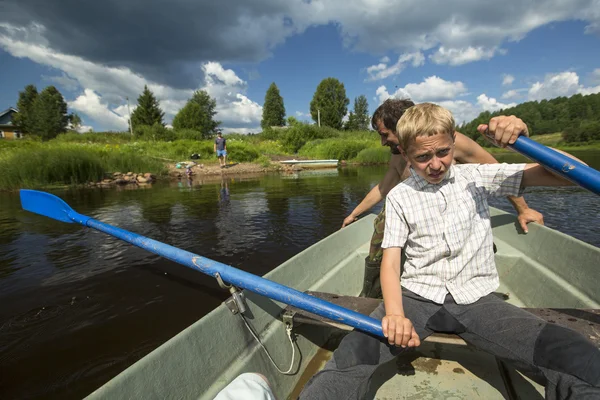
{"type": "Point", "coordinates": [566, 167]}
{"type": "Point", "coordinates": [240, 278]}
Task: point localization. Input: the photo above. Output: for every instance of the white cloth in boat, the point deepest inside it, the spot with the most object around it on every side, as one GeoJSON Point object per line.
{"type": "Point", "coordinates": [445, 230]}
{"type": "Point", "coordinates": [247, 386]}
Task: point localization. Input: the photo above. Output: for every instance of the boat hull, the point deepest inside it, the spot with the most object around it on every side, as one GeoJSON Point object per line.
{"type": "Point", "coordinates": [543, 269]}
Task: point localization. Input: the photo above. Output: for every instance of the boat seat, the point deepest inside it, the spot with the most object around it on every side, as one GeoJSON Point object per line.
{"type": "Point", "coordinates": [585, 321]}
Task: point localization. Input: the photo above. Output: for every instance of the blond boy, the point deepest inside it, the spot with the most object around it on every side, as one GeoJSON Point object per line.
{"type": "Point", "coordinates": [440, 218]}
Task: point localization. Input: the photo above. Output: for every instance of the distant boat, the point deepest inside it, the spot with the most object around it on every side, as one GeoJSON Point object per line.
{"type": "Point", "coordinates": [312, 163]}
{"type": "Point", "coordinates": [203, 358]}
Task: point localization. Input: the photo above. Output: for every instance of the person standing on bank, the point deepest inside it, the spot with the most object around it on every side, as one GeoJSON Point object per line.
{"type": "Point", "coordinates": [385, 118]}
{"type": "Point", "coordinates": [221, 149]}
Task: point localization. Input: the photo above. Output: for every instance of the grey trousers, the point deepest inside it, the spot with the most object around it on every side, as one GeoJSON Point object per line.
{"type": "Point", "coordinates": [565, 360]}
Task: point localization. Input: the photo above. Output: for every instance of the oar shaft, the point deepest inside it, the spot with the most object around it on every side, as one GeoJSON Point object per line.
{"type": "Point", "coordinates": [240, 278]}
{"type": "Point", "coordinates": [566, 167]}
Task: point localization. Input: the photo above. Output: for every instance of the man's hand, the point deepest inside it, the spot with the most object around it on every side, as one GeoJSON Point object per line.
{"type": "Point", "coordinates": [529, 215]}
{"type": "Point", "coordinates": [399, 331]}
{"type": "Point", "coordinates": [503, 130]}
{"type": "Point", "coordinates": [348, 220]}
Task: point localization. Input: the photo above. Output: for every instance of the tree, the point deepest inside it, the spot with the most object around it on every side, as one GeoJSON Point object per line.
{"type": "Point", "coordinates": [293, 121]}
{"type": "Point", "coordinates": [49, 114]}
{"type": "Point", "coordinates": [273, 108]}
{"type": "Point", "coordinates": [198, 114]}
{"type": "Point", "coordinates": [358, 120]}
{"type": "Point", "coordinates": [330, 99]}
{"type": "Point", "coordinates": [74, 121]}
{"type": "Point", "coordinates": [361, 112]}
{"type": "Point", "coordinates": [148, 111]}
{"type": "Point", "coordinates": [23, 119]}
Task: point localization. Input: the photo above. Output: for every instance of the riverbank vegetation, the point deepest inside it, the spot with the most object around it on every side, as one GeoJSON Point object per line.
{"type": "Point", "coordinates": [74, 158]}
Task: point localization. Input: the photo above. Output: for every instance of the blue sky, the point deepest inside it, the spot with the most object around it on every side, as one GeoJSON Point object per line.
{"type": "Point", "coordinates": [467, 56]}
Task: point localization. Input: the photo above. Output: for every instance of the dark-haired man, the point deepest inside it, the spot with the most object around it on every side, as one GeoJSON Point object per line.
{"type": "Point", "coordinates": [506, 129]}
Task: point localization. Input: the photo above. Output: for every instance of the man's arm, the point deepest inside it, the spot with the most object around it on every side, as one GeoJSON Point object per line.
{"type": "Point", "coordinates": [396, 327]}
{"type": "Point", "coordinates": [375, 195]}
{"type": "Point", "coordinates": [215, 147]}
{"type": "Point", "coordinates": [372, 198]}
{"type": "Point", "coordinates": [536, 175]}
{"type": "Point", "coordinates": [468, 151]}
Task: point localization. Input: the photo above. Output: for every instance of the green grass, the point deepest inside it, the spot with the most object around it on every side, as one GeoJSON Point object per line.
{"type": "Point", "coordinates": [335, 148]}
{"type": "Point", "coordinates": [373, 155]}
{"type": "Point", "coordinates": [67, 164]}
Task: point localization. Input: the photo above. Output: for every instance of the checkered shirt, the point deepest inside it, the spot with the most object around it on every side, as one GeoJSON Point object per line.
{"type": "Point", "coordinates": [445, 230]}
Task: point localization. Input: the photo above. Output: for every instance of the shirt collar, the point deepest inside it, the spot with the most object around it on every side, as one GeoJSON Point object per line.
{"type": "Point", "coordinates": [422, 183]}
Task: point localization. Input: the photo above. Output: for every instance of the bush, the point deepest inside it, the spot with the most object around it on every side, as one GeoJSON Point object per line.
{"type": "Point", "coordinates": [297, 136]}
{"type": "Point", "coordinates": [156, 132]}
{"type": "Point", "coordinates": [373, 155]}
{"type": "Point", "coordinates": [270, 148]}
{"type": "Point", "coordinates": [335, 148]}
{"type": "Point", "coordinates": [264, 161]}
{"type": "Point", "coordinates": [586, 132]}
{"type": "Point", "coordinates": [94, 137]}
{"type": "Point", "coordinates": [272, 134]}
{"type": "Point", "coordinates": [241, 152]}
{"type": "Point", "coordinates": [188, 134]}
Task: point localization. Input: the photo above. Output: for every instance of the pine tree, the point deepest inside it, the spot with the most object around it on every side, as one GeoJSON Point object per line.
{"type": "Point", "coordinates": [361, 113]}
{"type": "Point", "coordinates": [148, 111]}
{"type": "Point", "coordinates": [49, 114]}
{"type": "Point", "coordinates": [273, 108]}
{"type": "Point", "coordinates": [23, 119]}
{"type": "Point", "coordinates": [331, 101]}
{"type": "Point", "coordinates": [198, 114]}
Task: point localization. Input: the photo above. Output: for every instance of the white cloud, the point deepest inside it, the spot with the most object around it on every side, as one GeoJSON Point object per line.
{"type": "Point", "coordinates": [63, 81]}
{"type": "Point", "coordinates": [491, 104]}
{"type": "Point", "coordinates": [596, 75]}
{"type": "Point", "coordinates": [462, 110]}
{"type": "Point", "coordinates": [459, 56]}
{"type": "Point", "coordinates": [511, 94]}
{"type": "Point", "coordinates": [507, 80]}
{"type": "Point", "coordinates": [305, 115]}
{"type": "Point", "coordinates": [432, 88]}
{"type": "Point", "coordinates": [442, 92]}
{"type": "Point", "coordinates": [560, 84]}
{"type": "Point", "coordinates": [84, 129]}
{"type": "Point", "coordinates": [383, 70]}
{"type": "Point", "coordinates": [90, 104]}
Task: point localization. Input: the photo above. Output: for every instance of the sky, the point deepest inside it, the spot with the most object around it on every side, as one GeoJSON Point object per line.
{"type": "Point", "coordinates": [467, 55]}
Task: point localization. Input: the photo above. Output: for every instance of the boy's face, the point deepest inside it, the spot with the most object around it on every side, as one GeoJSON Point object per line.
{"type": "Point", "coordinates": [431, 156]}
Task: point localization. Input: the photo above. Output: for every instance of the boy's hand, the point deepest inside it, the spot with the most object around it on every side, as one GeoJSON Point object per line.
{"type": "Point", "coordinates": [399, 331]}
{"type": "Point", "coordinates": [503, 130]}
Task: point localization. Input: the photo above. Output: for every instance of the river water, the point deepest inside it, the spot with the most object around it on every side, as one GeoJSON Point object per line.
{"type": "Point", "coordinates": [77, 306]}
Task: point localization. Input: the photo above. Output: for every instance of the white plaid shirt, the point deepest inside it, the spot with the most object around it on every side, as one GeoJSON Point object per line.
{"type": "Point", "coordinates": [445, 230]}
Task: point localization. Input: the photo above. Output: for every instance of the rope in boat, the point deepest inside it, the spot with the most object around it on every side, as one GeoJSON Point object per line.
{"type": "Point", "coordinates": [288, 330]}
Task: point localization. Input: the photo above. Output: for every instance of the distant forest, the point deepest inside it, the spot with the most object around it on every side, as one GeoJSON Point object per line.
{"type": "Point", "coordinates": [576, 117]}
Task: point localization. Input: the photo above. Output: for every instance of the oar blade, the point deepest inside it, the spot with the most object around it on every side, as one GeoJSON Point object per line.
{"type": "Point", "coordinates": [45, 204]}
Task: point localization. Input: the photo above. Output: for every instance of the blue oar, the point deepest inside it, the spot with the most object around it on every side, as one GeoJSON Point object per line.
{"type": "Point", "coordinates": [51, 206]}
{"type": "Point", "coordinates": [566, 167]}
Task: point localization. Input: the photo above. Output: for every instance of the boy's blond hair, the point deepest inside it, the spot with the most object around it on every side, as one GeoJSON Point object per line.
{"type": "Point", "coordinates": [425, 119]}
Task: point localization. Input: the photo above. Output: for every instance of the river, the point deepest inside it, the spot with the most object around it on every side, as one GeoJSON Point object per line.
{"type": "Point", "coordinates": [77, 306]}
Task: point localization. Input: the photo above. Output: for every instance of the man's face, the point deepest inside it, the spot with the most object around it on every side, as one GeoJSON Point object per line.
{"type": "Point", "coordinates": [388, 138]}
{"type": "Point", "coordinates": [431, 156]}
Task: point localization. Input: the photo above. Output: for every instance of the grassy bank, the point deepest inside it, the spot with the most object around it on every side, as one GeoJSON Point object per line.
{"type": "Point", "coordinates": [80, 158]}
{"type": "Point", "coordinates": [47, 164]}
